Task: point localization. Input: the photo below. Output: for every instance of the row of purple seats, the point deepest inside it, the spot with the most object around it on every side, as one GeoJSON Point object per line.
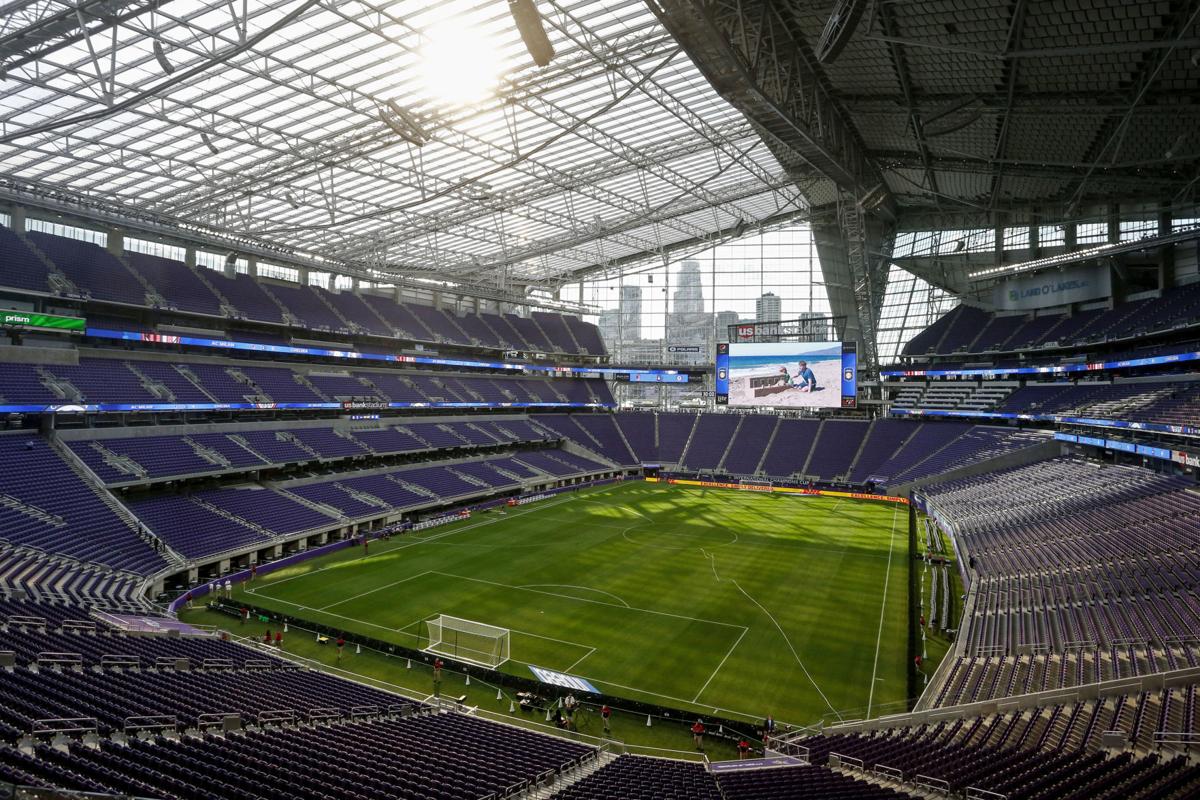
{"type": "Point", "coordinates": [160, 456]}
{"type": "Point", "coordinates": [710, 441]}
{"type": "Point", "coordinates": [835, 448]}
{"type": "Point", "coordinates": [110, 696]}
{"type": "Point", "coordinates": [972, 330]}
{"type": "Point", "coordinates": [881, 444]}
{"type": "Point", "coordinates": [1032, 756]}
{"type": "Point", "coordinates": [638, 778]}
{"type": "Point", "coordinates": [20, 267]}
{"type": "Point", "coordinates": [179, 286]}
{"type": "Point", "coordinates": [57, 581]}
{"type": "Point", "coordinates": [267, 509]}
{"type": "Point", "coordinates": [307, 306]}
{"type": "Point", "coordinates": [790, 448]}
{"type": "Point", "coordinates": [192, 529]}
{"type": "Point", "coordinates": [129, 381]}
{"type": "Point", "coordinates": [91, 268]}
{"type": "Point", "coordinates": [103, 276]}
{"type": "Point", "coordinates": [103, 381]}
{"type": "Point", "coordinates": [27, 643]}
{"type": "Point", "coordinates": [787, 783]}
{"type": "Point", "coordinates": [279, 384]}
{"type": "Point", "coordinates": [55, 510]}
{"type": "Point", "coordinates": [334, 494]}
{"type": "Point", "coordinates": [424, 757]}
{"type": "Point", "coordinates": [328, 443]}
{"type": "Point", "coordinates": [246, 295]}
{"type": "Point", "coordinates": [439, 480]}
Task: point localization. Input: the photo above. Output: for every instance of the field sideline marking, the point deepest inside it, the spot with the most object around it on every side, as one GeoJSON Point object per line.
{"type": "Point", "coordinates": [574, 586]}
{"type": "Point", "coordinates": [376, 589]}
{"type": "Point", "coordinates": [788, 641]}
{"type": "Point", "coordinates": [718, 669]}
{"type": "Point", "coordinates": [887, 576]}
{"type": "Point", "coordinates": [579, 660]}
{"type": "Point", "coordinates": [745, 714]}
{"type": "Point", "coordinates": [585, 600]}
{"type": "Point", "coordinates": [419, 540]}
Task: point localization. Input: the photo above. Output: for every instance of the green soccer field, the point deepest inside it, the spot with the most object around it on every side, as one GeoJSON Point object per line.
{"type": "Point", "coordinates": [701, 599]}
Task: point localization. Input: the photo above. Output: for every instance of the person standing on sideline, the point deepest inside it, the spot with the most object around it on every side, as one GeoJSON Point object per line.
{"type": "Point", "coordinates": [768, 729]}
{"type": "Point", "coordinates": [437, 677]}
{"type": "Point", "coordinates": [698, 734]}
{"type": "Point", "coordinates": [245, 614]}
{"type": "Point", "coordinates": [341, 645]}
{"type": "Point", "coordinates": [267, 637]}
{"type": "Point", "coordinates": [743, 749]}
{"type": "Point", "coordinates": [366, 545]}
{"type": "Point", "coordinates": [569, 705]}
{"type": "Point", "coordinates": [228, 589]}
{"type": "Point", "coordinates": [279, 639]}
{"type": "Point", "coordinates": [253, 572]}
{"type": "Point", "coordinates": [606, 715]}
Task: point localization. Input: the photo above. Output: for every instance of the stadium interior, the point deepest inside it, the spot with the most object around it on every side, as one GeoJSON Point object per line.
{"type": "Point", "coordinates": [600, 399]}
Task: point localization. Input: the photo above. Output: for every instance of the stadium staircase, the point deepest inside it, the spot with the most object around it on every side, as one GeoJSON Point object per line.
{"type": "Point", "coordinates": [350, 324]}
{"type": "Point", "coordinates": [732, 438]}
{"type": "Point", "coordinates": [61, 387]}
{"type": "Point", "coordinates": [59, 282]}
{"type": "Point", "coordinates": [569, 778]}
{"type": "Point", "coordinates": [216, 509]}
{"type": "Point", "coordinates": [691, 435]}
{"type": "Point", "coordinates": [287, 436]}
{"type": "Point", "coordinates": [628, 446]}
{"type": "Point", "coordinates": [174, 559]}
{"type": "Point", "coordinates": [152, 386]}
{"type": "Point", "coordinates": [758, 469]}
{"type": "Point", "coordinates": [288, 317]}
{"type": "Point", "coordinates": [812, 448]}
{"type": "Point", "coordinates": [154, 298]}
{"type": "Point", "coordinates": [227, 307]}
{"type": "Point", "coordinates": [862, 445]}
{"type": "Point", "coordinates": [329, 511]}
{"type": "Point", "coordinates": [574, 448]}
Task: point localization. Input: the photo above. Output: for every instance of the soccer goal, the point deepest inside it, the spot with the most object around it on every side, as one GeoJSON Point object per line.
{"type": "Point", "coordinates": [755, 485]}
{"type": "Point", "coordinates": [467, 640]}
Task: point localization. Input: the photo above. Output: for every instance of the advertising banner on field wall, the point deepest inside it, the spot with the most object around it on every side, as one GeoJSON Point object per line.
{"type": "Point", "coordinates": [779, 489]}
{"type": "Point", "coordinates": [1076, 284]}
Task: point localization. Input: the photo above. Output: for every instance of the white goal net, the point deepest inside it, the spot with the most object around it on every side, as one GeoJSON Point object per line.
{"type": "Point", "coordinates": [755, 485]}
{"type": "Point", "coordinates": [467, 640]}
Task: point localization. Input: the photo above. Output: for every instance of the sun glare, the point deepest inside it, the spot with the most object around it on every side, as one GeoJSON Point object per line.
{"type": "Point", "coordinates": [460, 64]}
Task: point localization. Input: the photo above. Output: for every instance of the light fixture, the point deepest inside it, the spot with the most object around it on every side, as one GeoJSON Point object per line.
{"type": "Point", "coordinates": [403, 123]}
{"type": "Point", "coordinates": [533, 33]}
{"type": "Point", "coordinates": [161, 56]}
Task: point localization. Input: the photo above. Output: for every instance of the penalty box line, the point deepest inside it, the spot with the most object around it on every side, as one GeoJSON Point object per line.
{"type": "Point", "coordinates": [596, 602]}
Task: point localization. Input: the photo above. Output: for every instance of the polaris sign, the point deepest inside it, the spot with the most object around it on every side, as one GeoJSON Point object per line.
{"type": "Point", "coordinates": [1075, 285]}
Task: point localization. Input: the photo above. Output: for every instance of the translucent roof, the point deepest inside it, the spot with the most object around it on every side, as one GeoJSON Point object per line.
{"type": "Point", "coordinates": [410, 137]}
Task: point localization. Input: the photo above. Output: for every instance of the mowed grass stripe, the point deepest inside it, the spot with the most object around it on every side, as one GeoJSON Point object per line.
{"type": "Point", "coordinates": [565, 571]}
